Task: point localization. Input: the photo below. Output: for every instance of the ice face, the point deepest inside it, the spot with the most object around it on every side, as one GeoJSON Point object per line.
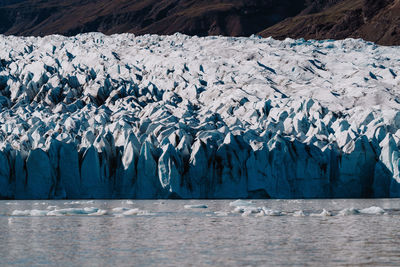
{"type": "Point", "coordinates": [95, 116]}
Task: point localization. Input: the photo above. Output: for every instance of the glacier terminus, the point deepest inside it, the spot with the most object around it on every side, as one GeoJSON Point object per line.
{"type": "Point", "coordinates": [125, 116]}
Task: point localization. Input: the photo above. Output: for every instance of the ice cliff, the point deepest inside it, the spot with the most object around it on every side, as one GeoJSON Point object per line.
{"type": "Point", "coordinates": [120, 116]}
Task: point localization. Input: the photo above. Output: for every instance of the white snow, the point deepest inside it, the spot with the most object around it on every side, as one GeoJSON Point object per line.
{"type": "Point", "coordinates": [95, 116]}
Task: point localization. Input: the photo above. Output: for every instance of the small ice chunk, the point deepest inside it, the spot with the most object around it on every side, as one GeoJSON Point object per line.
{"type": "Point", "coordinates": [299, 213]}
{"type": "Point", "coordinates": [348, 211]}
{"type": "Point", "coordinates": [29, 212]}
{"type": "Point", "coordinates": [90, 210]}
{"type": "Point", "coordinates": [238, 210]}
{"type": "Point", "coordinates": [136, 211]}
{"type": "Point", "coordinates": [37, 213]}
{"type": "Point", "coordinates": [373, 210]}
{"type": "Point", "coordinates": [260, 214]}
{"type": "Point", "coordinates": [323, 213]}
{"type": "Point", "coordinates": [241, 203]}
{"type": "Point", "coordinates": [71, 202]}
{"type": "Point", "coordinates": [72, 211]}
{"type": "Point", "coordinates": [100, 212]}
{"type": "Point", "coordinates": [270, 212]}
{"type": "Point", "coordinates": [20, 212]}
{"type": "Point", "coordinates": [198, 206]}
{"type": "Point", "coordinates": [247, 210]}
{"type": "Point", "coordinates": [130, 212]}
{"type": "Point", "coordinates": [246, 213]}
{"type": "Point", "coordinates": [119, 209]}
{"type": "Point", "coordinates": [128, 202]}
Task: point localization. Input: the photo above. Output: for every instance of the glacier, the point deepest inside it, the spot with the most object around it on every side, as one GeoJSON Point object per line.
{"type": "Point", "coordinates": [125, 116]}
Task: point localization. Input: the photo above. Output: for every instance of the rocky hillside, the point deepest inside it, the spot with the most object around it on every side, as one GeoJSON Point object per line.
{"type": "Point", "coordinates": [373, 20]}
{"type": "Point", "coordinates": [193, 17]}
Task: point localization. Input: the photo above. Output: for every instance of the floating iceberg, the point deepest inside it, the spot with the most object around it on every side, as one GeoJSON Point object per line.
{"type": "Point", "coordinates": [372, 210]}
{"type": "Point", "coordinates": [348, 211]}
{"type": "Point", "coordinates": [83, 211]}
{"type": "Point", "coordinates": [124, 116]}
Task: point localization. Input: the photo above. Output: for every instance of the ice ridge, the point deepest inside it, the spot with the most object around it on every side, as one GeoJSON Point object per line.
{"type": "Point", "coordinates": [124, 116]}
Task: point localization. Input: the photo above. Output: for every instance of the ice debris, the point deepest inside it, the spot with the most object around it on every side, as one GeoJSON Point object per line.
{"type": "Point", "coordinates": [89, 211]}
{"type": "Point", "coordinates": [299, 213]}
{"type": "Point", "coordinates": [348, 211]}
{"type": "Point", "coordinates": [241, 203]}
{"type": "Point", "coordinates": [323, 213]}
{"type": "Point", "coordinates": [372, 210]}
{"type": "Point", "coordinates": [190, 117]}
{"type": "Point", "coordinates": [196, 206]}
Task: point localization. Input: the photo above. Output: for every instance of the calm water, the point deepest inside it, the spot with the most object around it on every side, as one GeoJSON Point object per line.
{"type": "Point", "coordinates": [166, 233]}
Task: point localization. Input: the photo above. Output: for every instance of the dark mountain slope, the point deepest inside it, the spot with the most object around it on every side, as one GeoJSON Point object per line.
{"type": "Point", "coordinates": [373, 20]}
{"type": "Point", "coordinates": [210, 17]}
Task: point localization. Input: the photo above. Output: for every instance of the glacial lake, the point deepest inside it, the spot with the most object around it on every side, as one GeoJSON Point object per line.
{"type": "Point", "coordinates": [200, 232]}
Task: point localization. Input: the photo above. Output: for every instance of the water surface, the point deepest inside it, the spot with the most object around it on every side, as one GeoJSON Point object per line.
{"type": "Point", "coordinates": [200, 233]}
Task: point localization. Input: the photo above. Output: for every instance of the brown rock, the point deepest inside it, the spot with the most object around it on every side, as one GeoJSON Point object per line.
{"type": "Point", "coordinates": [373, 20]}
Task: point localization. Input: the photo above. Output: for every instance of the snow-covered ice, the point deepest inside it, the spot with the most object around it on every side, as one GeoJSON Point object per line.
{"type": "Point", "coordinates": [95, 116]}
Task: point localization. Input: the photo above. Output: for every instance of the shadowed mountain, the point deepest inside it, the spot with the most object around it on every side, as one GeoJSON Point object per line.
{"type": "Point", "coordinates": [373, 20]}
{"type": "Point", "coordinates": [193, 17]}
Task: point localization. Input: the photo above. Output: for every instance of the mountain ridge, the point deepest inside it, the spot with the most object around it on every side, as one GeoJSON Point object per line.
{"type": "Point", "coordinates": [213, 17]}
{"type": "Point", "coordinates": [377, 21]}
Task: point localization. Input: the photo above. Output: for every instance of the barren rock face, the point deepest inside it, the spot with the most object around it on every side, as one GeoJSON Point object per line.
{"type": "Point", "coordinates": [375, 21]}
{"type": "Point", "coordinates": [370, 8]}
{"type": "Point", "coordinates": [95, 116]}
{"type": "Point", "coordinates": [193, 17]}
